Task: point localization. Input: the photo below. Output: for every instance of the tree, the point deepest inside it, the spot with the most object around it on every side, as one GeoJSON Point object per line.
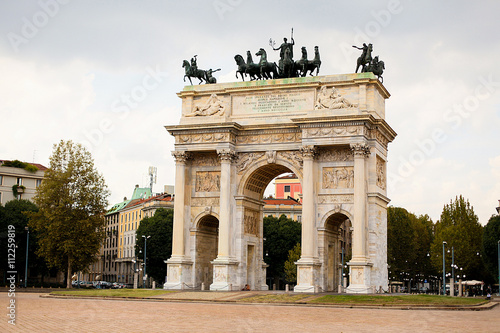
{"type": "Point", "coordinates": [72, 200]}
{"type": "Point", "coordinates": [280, 236]}
{"type": "Point", "coordinates": [14, 214]}
{"type": "Point", "coordinates": [459, 227]}
{"type": "Point", "coordinates": [159, 245]}
{"type": "Point", "coordinates": [491, 237]}
{"type": "Point", "coordinates": [408, 245]}
{"type": "Point", "coordinates": [290, 267]}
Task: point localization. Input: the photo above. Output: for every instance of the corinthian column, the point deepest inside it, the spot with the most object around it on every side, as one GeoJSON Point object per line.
{"type": "Point", "coordinates": [178, 237]}
{"type": "Point", "coordinates": [307, 266]}
{"type": "Point", "coordinates": [359, 267]}
{"type": "Point", "coordinates": [224, 266]}
{"type": "Point", "coordinates": [361, 152]}
{"type": "Point", "coordinates": [179, 267]}
{"type": "Point", "coordinates": [308, 153]}
{"type": "Point", "coordinates": [226, 158]}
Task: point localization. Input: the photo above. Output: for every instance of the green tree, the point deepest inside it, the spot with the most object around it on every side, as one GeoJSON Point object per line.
{"type": "Point", "coordinates": [14, 213]}
{"type": "Point", "coordinates": [290, 267]}
{"type": "Point", "coordinates": [459, 227]}
{"type": "Point", "coordinates": [491, 237]}
{"type": "Point", "coordinates": [408, 245]}
{"type": "Point", "coordinates": [72, 200]}
{"type": "Point", "coordinates": [159, 245]}
{"type": "Point", "coordinates": [280, 236]}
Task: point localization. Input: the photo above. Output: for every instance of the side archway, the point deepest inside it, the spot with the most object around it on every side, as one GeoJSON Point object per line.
{"type": "Point", "coordinates": [206, 248]}
{"type": "Point", "coordinates": [334, 242]}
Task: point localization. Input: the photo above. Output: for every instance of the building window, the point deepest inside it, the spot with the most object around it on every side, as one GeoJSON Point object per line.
{"type": "Point", "coordinates": [1, 180]}
{"type": "Point", "coordinates": [287, 188]}
{"type": "Point", "coordinates": [299, 218]}
{"type": "Point", "coordinates": [19, 181]}
{"type": "Point", "coordinates": [38, 182]}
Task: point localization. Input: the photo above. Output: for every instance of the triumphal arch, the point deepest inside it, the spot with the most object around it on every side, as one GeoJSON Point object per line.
{"type": "Point", "coordinates": [234, 138]}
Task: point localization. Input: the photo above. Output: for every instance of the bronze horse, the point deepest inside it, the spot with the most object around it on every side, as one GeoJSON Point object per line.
{"type": "Point", "coordinates": [376, 67]}
{"type": "Point", "coordinates": [365, 58]}
{"type": "Point", "coordinates": [305, 65]}
{"type": "Point", "coordinates": [268, 70]}
{"type": "Point", "coordinates": [198, 73]}
{"type": "Point", "coordinates": [251, 69]}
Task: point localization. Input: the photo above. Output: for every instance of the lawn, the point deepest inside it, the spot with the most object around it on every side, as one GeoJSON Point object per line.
{"type": "Point", "coordinates": [431, 300]}
{"type": "Point", "coordinates": [112, 292]}
{"type": "Point", "coordinates": [275, 298]}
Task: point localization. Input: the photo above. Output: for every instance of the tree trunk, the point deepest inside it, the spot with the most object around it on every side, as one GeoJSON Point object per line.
{"type": "Point", "coordinates": [68, 276]}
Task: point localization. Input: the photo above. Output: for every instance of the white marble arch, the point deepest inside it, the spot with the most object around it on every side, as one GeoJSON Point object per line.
{"type": "Point", "coordinates": [268, 128]}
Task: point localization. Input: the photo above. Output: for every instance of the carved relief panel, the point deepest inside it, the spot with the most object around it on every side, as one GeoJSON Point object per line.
{"type": "Point", "coordinates": [251, 222]}
{"type": "Point", "coordinates": [381, 178]}
{"type": "Point", "coordinates": [342, 177]}
{"type": "Point", "coordinates": [208, 181]}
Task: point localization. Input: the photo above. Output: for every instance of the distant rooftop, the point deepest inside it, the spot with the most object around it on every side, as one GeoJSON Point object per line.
{"type": "Point", "coordinates": [289, 201]}
{"type": "Point", "coordinates": [39, 166]}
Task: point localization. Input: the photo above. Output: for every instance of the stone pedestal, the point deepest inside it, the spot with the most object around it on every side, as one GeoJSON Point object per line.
{"type": "Point", "coordinates": [307, 276]}
{"type": "Point", "coordinates": [360, 273]}
{"type": "Point", "coordinates": [179, 273]}
{"type": "Point", "coordinates": [224, 275]}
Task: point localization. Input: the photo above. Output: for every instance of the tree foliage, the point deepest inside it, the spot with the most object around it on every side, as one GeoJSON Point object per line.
{"type": "Point", "coordinates": [491, 237]}
{"type": "Point", "coordinates": [280, 236]}
{"type": "Point", "coordinates": [290, 267]}
{"type": "Point", "coordinates": [408, 244]}
{"type": "Point", "coordinates": [459, 227]}
{"type": "Point", "coordinates": [72, 200]}
{"type": "Point", "coordinates": [15, 213]}
{"type": "Point", "coordinates": [159, 245]}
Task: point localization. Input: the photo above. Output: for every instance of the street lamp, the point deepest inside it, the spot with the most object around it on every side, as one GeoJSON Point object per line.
{"type": "Point", "coordinates": [145, 258]}
{"type": "Point", "coordinates": [26, 270]}
{"type": "Point", "coordinates": [499, 267]}
{"type": "Point", "coordinates": [444, 271]}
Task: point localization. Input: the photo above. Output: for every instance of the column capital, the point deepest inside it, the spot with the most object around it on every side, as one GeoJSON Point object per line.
{"type": "Point", "coordinates": [360, 149]}
{"type": "Point", "coordinates": [180, 156]}
{"type": "Point", "coordinates": [227, 155]}
{"type": "Point", "coordinates": [308, 151]}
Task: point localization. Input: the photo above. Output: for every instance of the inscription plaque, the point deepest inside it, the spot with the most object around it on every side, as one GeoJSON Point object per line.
{"type": "Point", "coordinates": [273, 102]}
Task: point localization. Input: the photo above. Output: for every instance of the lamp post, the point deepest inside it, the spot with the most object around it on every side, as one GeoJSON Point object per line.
{"type": "Point", "coordinates": [444, 272]}
{"type": "Point", "coordinates": [499, 267]}
{"type": "Point", "coordinates": [342, 269]}
{"type": "Point", "coordinates": [26, 270]}
{"type": "Point", "coordinates": [145, 258]}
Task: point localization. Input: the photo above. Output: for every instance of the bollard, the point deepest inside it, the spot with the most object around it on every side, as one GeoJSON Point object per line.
{"type": "Point", "coordinates": [182, 285]}
{"type": "Point", "coordinates": [274, 286]}
{"type": "Point", "coordinates": [287, 289]}
{"type": "Point", "coordinates": [203, 286]}
{"type": "Point", "coordinates": [230, 286]}
{"type": "Point", "coordinates": [154, 285]}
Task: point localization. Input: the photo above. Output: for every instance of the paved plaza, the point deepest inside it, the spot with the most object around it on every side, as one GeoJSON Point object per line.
{"type": "Point", "coordinates": [36, 314]}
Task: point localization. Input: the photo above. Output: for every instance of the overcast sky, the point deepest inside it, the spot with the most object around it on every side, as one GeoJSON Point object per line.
{"type": "Point", "coordinates": [106, 74]}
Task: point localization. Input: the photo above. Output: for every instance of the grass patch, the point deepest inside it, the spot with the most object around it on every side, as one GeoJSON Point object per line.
{"type": "Point", "coordinates": [396, 300]}
{"type": "Point", "coordinates": [112, 292]}
{"type": "Point", "coordinates": [275, 298]}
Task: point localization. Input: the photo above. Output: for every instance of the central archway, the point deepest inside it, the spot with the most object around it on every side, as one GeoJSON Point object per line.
{"type": "Point", "coordinates": [250, 212]}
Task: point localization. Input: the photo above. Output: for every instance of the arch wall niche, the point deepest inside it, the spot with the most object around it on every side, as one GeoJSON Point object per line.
{"type": "Point", "coordinates": [234, 138]}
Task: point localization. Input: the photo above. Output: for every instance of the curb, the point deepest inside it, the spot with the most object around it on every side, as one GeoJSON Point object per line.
{"type": "Point", "coordinates": [487, 305]}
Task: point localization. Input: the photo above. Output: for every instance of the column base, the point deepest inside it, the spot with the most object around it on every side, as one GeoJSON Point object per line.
{"type": "Point", "coordinates": [179, 274]}
{"type": "Point", "coordinates": [224, 275]}
{"type": "Point", "coordinates": [307, 276]}
{"type": "Point", "coordinates": [360, 276]}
